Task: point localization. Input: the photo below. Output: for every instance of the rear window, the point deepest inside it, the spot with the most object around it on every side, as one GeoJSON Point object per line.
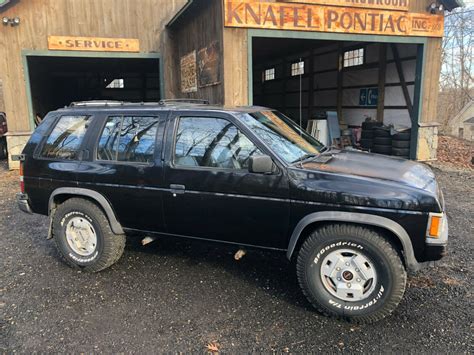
{"type": "Point", "coordinates": [66, 138]}
{"type": "Point", "coordinates": [128, 139]}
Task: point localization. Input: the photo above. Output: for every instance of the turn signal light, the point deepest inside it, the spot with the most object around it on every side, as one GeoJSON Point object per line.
{"type": "Point", "coordinates": [435, 227]}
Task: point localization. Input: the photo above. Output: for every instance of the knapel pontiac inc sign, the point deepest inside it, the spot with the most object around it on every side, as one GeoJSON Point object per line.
{"type": "Point", "coordinates": [311, 17]}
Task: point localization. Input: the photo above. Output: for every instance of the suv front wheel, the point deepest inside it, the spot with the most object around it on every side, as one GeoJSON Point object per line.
{"type": "Point", "coordinates": [351, 272]}
{"type": "Point", "coordinates": [83, 236]}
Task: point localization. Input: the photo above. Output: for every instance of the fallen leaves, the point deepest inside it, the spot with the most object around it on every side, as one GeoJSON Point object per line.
{"type": "Point", "coordinates": [212, 347]}
{"type": "Point", "coordinates": [456, 152]}
{"type": "Point", "coordinates": [421, 282]}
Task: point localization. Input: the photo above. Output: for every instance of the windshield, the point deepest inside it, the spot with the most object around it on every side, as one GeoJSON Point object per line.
{"type": "Point", "coordinates": [283, 136]}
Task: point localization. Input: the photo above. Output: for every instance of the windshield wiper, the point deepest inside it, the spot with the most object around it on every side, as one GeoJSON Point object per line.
{"type": "Point", "coordinates": [304, 157]}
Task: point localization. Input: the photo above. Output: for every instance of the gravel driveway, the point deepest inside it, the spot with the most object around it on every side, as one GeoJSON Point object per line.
{"type": "Point", "coordinates": [180, 296]}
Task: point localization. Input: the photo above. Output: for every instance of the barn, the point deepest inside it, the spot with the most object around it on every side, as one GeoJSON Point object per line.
{"type": "Point", "coordinates": [360, 60]}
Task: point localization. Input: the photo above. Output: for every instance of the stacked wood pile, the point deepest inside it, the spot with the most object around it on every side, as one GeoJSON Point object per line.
{"type": "Point", "coordinates": [456, 152]}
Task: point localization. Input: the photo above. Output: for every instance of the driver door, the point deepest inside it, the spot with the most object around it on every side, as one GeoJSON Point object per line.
{"type": "Point", "coordinates": [212, 194]}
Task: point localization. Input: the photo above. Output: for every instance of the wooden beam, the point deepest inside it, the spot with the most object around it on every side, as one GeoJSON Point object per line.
{"type": "Point", "coordinates": [311, 84]}
{"type": "Point", "coordinates": [340, 67]}
{"type": "Point", "coordinates": [403, 83]}
{"type": "Point", "coordinates": [382, 77]}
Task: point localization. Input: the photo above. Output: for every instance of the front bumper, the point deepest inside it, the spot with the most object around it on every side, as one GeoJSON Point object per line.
{"type": "Point", "coordinates": [23, 203]}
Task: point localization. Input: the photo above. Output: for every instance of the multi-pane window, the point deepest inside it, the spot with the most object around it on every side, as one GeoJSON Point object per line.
{"type": "Point", "coordinates": [128, 139]}
{"type": "Point", "coordinates": [297, 68]}
{"type": "Point", "coordinates": [269, 74]}
{"type": "Point", "coordinates": [66, 138]}
{"type": "Point", "coordinates": [116, 84]}
{"type": "Point", "coordinates": [212, 142]}
{"type": "Point", "coordinates": [354, 57]}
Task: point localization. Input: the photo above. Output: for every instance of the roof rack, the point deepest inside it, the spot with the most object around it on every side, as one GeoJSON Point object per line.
{"type": "Point", "coordinates": [98, 103]}
{"type": "Point", "coordinates": [190, 101]}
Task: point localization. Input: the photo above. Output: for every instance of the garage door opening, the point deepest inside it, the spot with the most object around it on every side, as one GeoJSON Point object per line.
{"type": "Point", "coordinates": [358, 81]}
{"type": "Point", "coordinates": [57, 81]}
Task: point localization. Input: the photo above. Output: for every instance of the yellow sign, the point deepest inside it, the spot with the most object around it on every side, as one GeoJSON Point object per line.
{"type": "Point", "coordinates": [96, 44]}
{"type": "Point", "coordinates": [397, 5]}
{"type": "Point", "coordinates": [307, 17]}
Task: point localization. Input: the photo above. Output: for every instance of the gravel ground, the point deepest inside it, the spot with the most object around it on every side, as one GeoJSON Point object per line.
{"type": "Point", "coordinates": [181, 296]}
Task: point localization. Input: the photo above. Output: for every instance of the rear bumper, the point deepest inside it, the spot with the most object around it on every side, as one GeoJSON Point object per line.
{"type": "Point", "coordinates": [23, 203]}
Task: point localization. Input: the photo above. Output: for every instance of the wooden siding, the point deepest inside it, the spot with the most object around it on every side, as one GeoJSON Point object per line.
{"type": "Point", "coordinates": [144, 19]}
{"type": "Point", "coordinates": [194, 33]}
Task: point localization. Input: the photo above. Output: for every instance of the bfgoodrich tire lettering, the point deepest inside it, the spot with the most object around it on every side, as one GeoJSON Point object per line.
{"type": "Point", "coordinates": [390, 282]}
{"type": "Point", "coordinates": [107, 247]}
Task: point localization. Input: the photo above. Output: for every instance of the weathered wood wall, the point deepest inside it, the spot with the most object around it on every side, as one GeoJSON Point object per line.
{"type": "Point", "coordinates": [144, 19]}
{"type": "Point", "coordinates": [201, 26]}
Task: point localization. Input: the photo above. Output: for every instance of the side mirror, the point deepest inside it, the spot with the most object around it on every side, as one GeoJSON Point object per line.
{"type": "Point", "coordinates": [261, 164]}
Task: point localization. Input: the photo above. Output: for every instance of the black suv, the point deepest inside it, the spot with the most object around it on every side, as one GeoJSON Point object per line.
{"type": "Point", "coordinates": [353, 222]}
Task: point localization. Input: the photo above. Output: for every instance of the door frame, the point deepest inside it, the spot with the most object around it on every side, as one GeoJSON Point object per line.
{"type": "Point", "coordinates": [420, 42]}
{"type": "Point", "coordinates": [25, 54]}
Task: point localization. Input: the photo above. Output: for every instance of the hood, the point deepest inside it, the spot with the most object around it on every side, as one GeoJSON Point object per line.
{"type": "Point", "coordinates": [377, 166]}
{"type": "Point", "coordinates": [365, 179]}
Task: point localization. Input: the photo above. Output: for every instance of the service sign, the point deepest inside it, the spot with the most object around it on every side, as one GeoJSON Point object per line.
{"type": "Point", "coordinates": [96, 44]}
{"type": "Point", "coordinates": [310, 17]}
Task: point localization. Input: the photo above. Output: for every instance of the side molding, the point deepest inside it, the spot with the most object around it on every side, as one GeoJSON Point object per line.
{"type": "Point", "coordinates": [97, 197]}
{"type": "Point", "coordinates": [360, 218]}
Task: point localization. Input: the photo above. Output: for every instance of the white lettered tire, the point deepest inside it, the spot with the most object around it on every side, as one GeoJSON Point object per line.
{"type": "Point", "coordinates": [83, 236]}
{"type": "Point", "coordinates": [351, 272]}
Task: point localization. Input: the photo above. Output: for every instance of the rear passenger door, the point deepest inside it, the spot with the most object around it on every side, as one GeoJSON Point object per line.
{"type": "Point", "coordinates": [124, 167]}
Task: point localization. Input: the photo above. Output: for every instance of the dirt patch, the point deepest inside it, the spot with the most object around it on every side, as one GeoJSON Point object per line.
{"type": "Point", "coordinates": [178, 296]}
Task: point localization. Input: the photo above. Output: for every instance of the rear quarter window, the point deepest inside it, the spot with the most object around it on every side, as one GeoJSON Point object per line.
{"type": "Point", "coordinates": [128, 139]}
{"type": "Point", "coordinates": [66, 138]}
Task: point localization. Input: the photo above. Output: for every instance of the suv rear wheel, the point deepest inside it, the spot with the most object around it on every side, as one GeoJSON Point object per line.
{"type": "Point", "coordinates": [83, 236]}
{"type": "Point", "coordinates": [351, 272]}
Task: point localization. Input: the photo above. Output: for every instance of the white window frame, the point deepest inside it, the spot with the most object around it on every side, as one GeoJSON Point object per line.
{"type": "Point", "coordinates": [297, 68]}
{"type": "Point", "coordinates": [268, 74]}
{"type": "Point", "coordinates": [354, 57]}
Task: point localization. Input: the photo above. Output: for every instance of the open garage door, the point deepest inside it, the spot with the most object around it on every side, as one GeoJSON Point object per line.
{"type": "Point", "coordinates": [57, 81]}
{"type": "Point", "coordinates": [358, 81]}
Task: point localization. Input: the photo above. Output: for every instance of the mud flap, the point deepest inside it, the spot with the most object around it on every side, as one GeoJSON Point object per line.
{"type": "Point", "coordinates": [50, 229]}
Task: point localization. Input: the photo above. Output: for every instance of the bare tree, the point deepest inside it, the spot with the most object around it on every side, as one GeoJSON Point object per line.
{"type": "Point", "coordinates": [456, 81]}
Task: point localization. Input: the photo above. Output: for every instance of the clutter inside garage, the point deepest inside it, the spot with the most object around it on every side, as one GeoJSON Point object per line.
{"type": "Point", "coordinates": [346, 94]}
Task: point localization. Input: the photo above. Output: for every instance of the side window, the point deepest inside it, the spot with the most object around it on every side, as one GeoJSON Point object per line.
{"type": "Point", "coordinates": [212, 142]}
{"type": "Point", "coordinates": [128, 139]}
{"type": "Point", "coordinates": [66, 138]}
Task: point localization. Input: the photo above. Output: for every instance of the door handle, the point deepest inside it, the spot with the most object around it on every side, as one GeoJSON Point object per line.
{"type": "Point", "coordinates": [177, 189]}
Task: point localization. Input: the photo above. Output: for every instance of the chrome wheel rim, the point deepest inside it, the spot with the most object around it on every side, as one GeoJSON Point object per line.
{"type": "Point", "coordinates": [348, 275]}
{"type": "Point", "coordinates": [81, 236]}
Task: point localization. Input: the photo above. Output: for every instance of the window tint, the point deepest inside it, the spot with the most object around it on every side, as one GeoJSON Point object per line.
{"type": "Point", "coordinates": [127, 138]}
{"type": "Point", "coordinates": [66, 138]}
{"type": "Point", "coordinates": [212, 142]}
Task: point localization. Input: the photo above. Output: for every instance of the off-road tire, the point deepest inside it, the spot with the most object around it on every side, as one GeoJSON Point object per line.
{"type": "Point", "coordinates": [391, 273]}
{"type": "Point", "coordinates": [109, 247]}
{"type": "Point", "coordinates": [367, 134]}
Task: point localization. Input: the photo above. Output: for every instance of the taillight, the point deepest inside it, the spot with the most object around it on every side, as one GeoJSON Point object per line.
{"type": "Point", "coordinates": [22, 181]}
